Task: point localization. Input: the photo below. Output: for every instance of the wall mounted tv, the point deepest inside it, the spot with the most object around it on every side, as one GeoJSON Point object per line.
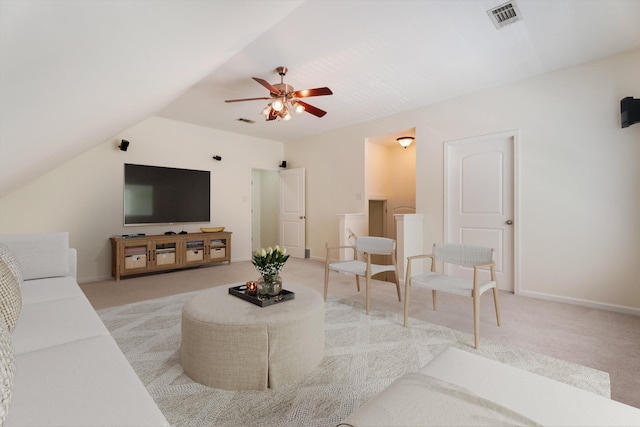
{"type": "Point", "coordinates": [162, 195]}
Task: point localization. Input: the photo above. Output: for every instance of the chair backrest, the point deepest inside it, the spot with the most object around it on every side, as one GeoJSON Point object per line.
{"type": "Point", "coordinates": [375, 245]}
{"type": "Point", "coordinates": [466, 255]}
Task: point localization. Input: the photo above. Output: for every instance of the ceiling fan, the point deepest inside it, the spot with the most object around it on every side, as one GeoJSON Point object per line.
{"type": "Point", "coordinates": [285, 100]}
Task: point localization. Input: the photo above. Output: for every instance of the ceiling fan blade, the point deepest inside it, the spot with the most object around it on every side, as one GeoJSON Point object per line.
{"type": "Point", "coordinates": [244, 99]}
{"type": "Point", "coordinates": [267, 85]}
{"type": "Point", "coordinates": [305, 93]}
{"type": "Point", "coordinates": [312, 110]}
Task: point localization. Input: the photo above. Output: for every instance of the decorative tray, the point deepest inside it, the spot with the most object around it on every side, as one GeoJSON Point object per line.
{"type": "Point", "coordinates": [239, 291]}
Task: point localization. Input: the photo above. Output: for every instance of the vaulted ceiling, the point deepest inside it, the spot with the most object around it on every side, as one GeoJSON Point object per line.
{"type": "Point", "coordinates": [75, 73]}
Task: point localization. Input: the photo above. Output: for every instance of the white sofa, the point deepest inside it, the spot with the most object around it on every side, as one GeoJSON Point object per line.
{"type": "Point", "coordinates": [458, 388]}
{"type": "Point", "coordinates": [68, 369]}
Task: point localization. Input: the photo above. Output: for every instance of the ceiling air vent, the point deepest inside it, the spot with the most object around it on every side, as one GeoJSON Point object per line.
{"type": "Point", "coordinates": [504, 14]}
{"type": "Point", "coordinates": [243, 120]}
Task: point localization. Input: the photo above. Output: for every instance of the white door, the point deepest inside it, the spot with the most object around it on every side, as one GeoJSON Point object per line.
{"type": "Point", "coordinates": [480, 199]}
{"type": "Point", "coordinates": [292, 211]}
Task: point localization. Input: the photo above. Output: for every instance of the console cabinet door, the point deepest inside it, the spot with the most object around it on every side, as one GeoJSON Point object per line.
{"type": "Point", "coordinates": [135, 256]}
{"type": "Point", "coordinates": [196, 250]}
{"type": "Point", "coordinates": [165, 254]}
{"type": "Point", "coordinates": [219, 247]}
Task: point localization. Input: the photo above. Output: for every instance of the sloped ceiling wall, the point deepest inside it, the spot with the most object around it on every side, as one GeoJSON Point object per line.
{"type": "Point", "coordinates": [75, 73]}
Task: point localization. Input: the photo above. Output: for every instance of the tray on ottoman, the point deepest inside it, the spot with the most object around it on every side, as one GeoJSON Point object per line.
{"type": "Point", "coordinates": [239, 291]}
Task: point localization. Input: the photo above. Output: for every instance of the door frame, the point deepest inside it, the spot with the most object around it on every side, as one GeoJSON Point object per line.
{"type": "Point", "coordinates": [515, 138]}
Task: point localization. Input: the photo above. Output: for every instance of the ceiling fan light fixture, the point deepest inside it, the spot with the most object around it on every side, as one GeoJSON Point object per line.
{"type": "Point", "coordinates": [277, 105]}
{"type": "Point", "coordinates": [298, 108]}
{"type": "Point", "coordinates": [405, 141]}
{"type": "Point", "coordinates": [285, 114]}
{"type": "Point", "coordinates": [266, 111]}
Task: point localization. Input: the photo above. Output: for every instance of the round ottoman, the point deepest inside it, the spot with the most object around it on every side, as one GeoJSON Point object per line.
{"type": "Point", "coordinates": [232, 344]}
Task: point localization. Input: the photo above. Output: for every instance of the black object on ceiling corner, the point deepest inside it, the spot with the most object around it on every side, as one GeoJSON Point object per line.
{"type": "Point", "coordinates": [283, 164]}
{"type": "Point", "coordinates": [218, 158]}
{"type": "Point", "coordinates": [124, 144]}
{"type": "Point", "coordinates": [629, 111]}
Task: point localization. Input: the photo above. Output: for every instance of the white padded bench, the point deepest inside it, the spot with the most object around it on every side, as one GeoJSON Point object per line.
{"type": "Point", "coordinates": [461, 388]}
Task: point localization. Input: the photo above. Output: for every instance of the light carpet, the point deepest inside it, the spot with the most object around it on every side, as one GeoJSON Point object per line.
{"type": "Point", "coordinates": [363, 355]}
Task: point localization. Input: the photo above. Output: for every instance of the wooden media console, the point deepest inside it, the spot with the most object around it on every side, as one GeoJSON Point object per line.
{"type": "Point", "coordinates": [148, 254]}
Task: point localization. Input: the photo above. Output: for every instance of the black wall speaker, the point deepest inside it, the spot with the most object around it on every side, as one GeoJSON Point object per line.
{"type": "Point", "coordinates": [124, 145]}
{"type": "Point", "coordinates": [629, 111]}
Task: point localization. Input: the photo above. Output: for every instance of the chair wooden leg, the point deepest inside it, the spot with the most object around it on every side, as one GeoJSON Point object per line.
{"type": "Point", "coordinates": [406, 303]}
{"type": "Point", "coordinates": [398, 288]}
{"type": "Point", "coordinates": [368, 289]}
{"type": "Point", "coordinates": [433, 296]}
{"type": "Point", "coordinates": [476, 319]}
{"type": "Point", "coordinates": [326, 282]}
{"type": "Point", "coordinates": [358, 282]}
{"type": "Point", "coordinates": [495, 300]}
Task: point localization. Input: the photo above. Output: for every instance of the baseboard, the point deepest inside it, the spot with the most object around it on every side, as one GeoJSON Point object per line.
{"type": "Point", "coordinates": [581, 302]}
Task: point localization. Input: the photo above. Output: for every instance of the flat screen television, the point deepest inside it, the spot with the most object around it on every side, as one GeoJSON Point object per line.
{"type": "Point", "coordinates": [162, 195]}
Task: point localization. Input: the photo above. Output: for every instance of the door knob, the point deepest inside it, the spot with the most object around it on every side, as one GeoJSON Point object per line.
{"type": "Point", "coordinates": [509, 222]}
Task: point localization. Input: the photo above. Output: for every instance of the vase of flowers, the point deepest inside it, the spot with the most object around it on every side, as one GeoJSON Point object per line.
{"type": "Point", "coordinates": [269, 262]}
{"type": "Point", "coordinates": [269, 288]}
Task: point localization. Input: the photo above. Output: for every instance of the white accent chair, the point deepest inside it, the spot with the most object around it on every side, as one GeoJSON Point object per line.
{"type": "Point", "coordinates": [365, 247]}
{"type": "Point", "coordinates": [476, 257]}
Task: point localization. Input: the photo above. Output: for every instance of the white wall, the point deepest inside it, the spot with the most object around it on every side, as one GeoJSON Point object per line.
{"type": "Point", "coordinates": [84, 196]}
{"type": "Point", "coordinates": [376, 171]}
{"type": "Point", "coordinates": [579, 182]}
{"type": "Point", "coordinates": [334, 168]}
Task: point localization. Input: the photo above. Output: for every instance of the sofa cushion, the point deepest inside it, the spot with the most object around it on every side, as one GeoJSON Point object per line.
{"type": "Point", "coordinates": [57, 322]}
{"type": "Point", "coordinates": [10, 280]}
{"type": "Point", "coordinates": [7, 371]}
{"type": "Point", "coordinates": [49, 289]}
{"type": "Point", "coordinates": [40, 255]}
{"type": "Point", "coordinates": [83, 383]}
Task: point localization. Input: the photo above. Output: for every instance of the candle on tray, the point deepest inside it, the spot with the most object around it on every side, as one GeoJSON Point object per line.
{"type": "Point", "coordinates": [252, 288]}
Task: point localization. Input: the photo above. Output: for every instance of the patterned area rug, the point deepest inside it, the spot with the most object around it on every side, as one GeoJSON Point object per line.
{"type": "Point", "coordinates": [363, 355]}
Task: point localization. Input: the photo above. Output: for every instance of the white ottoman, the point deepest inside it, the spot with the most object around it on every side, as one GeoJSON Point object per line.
{"type": "Point", "coordinates": [232, 344]}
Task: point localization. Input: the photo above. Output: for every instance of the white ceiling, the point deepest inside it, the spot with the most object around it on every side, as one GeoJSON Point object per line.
{"type": "Point", "coordinates": [74, 73]}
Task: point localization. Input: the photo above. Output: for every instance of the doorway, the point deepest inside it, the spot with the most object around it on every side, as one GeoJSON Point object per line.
{"type": "Point", "coordinates": [378, 218]}
{"type": "Point", "coordinates": [378, 228]}
{"type": "Point", "coordinates": [278, 210]}
{"type": "Point", "coordinates": [265, 194]}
